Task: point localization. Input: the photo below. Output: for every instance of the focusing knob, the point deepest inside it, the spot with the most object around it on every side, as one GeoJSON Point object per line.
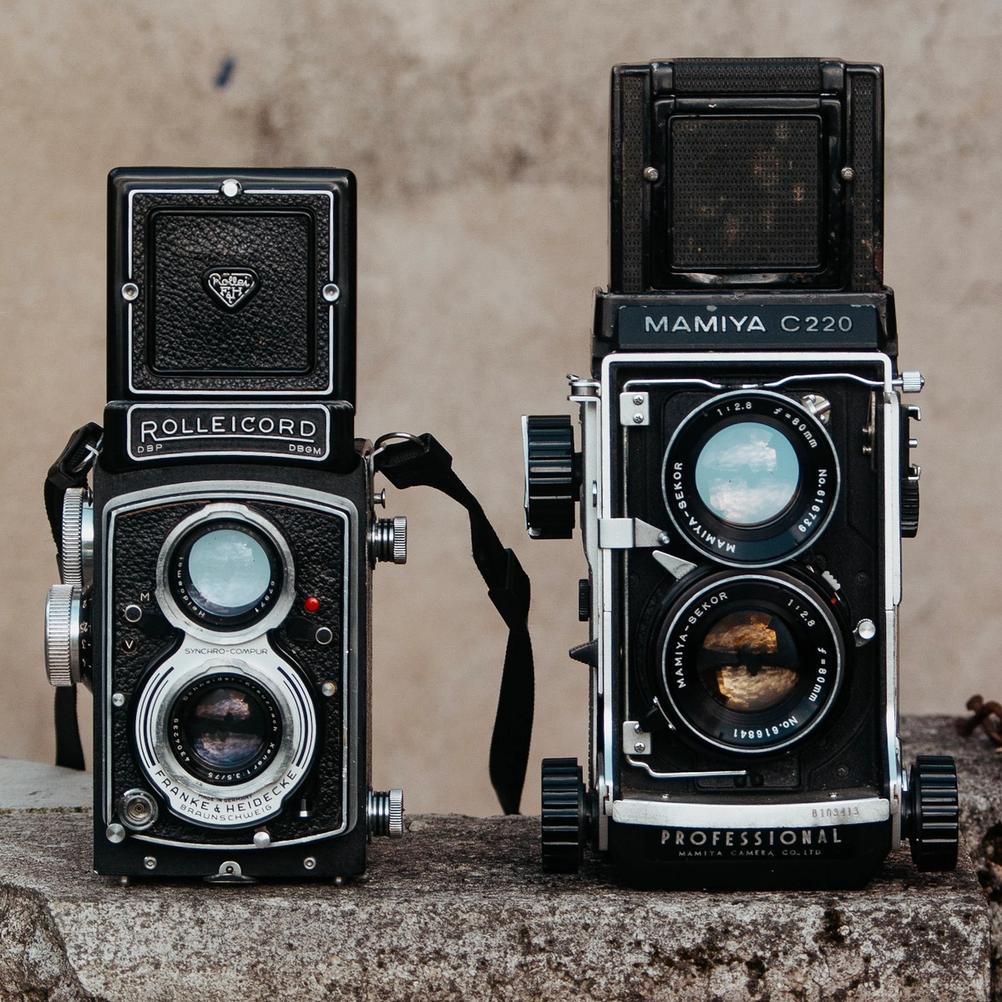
{"type": "Point", "coordinates": [934, 812]}
{"type": "Point", "coordinates": [565, 815]}
{"type": "Point", "coordinates": [65, 626]}
{"type": "Point", "coordinates": [910, 503]}
{"type": "Point", "coordinates": [76, 552]}
{"type": "Point", "coordinates": [551, 478]}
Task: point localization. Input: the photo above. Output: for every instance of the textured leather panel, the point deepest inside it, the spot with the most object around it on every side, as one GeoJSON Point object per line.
{"type": "Point", "coordinates": [190, 329]}
{"type": "Point", "coordinates": [176, 324]}
{"type": "Point", "coordinates": [317, 542]}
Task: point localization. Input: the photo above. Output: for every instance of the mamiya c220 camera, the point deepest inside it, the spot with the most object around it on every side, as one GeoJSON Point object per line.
{"type": "Point", "coordinates": [216, 580]}
{"type": "Point", "coordinates": [744, 482]}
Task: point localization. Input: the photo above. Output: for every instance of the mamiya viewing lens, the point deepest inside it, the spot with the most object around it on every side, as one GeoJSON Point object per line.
{"type": "Point", "coordinates": [750, 478]}
{"type": "Point", "coordinates": [225, 729]}
{"type": "Point", "coordinates": [749, 662]}
{"type": "Point", "coordinates": [747, 473]}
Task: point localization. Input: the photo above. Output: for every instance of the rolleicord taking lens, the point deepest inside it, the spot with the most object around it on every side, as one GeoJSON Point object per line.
{"type": "Point", "coordinates": [749, 662]}
{"type": "Point", "coordinates": [750, 478]}
{"type": "Point", "coordinates": [224, 729]}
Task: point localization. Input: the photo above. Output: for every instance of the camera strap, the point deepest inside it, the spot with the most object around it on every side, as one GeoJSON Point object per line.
{"type": "Point", "coordinates": [69, 470]}
{"type": "Point", "coordinates": [406, 461]}
{"type": "Point", "coordinates": [420, 461]}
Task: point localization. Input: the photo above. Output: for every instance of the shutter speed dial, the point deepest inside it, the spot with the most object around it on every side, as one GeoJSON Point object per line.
{"type": "Point", "coordinates": [67, 635]}
{"type": "Point", "coordinates": [552, 476]}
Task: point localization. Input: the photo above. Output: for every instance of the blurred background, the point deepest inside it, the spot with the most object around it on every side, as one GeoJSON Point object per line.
{"type": "Point", "coordinates": [478, 132]}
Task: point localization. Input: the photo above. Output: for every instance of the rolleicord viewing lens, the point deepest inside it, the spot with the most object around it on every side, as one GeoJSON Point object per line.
{"type": "Point", "coordinates": [225, 569]}
{"type": "Point", "coordinates": [750, 478]}
{"type": "Point", "coordinates": [225, 729]}
{"type": "Point", "coordinates": [750, 662]}
{"type": "Point", "coordinates": [228, 571]}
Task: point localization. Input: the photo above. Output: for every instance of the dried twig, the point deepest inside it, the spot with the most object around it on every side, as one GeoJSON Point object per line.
{"type": "Point", "coordinates": [984, 714]}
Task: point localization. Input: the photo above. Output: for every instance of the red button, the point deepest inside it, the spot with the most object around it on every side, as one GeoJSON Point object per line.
{"type": "Point", "coordinates": [311, 603]}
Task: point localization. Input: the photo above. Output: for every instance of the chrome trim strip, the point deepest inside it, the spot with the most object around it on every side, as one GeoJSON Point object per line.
{"type": "Point", "coordinates": [816, 814]}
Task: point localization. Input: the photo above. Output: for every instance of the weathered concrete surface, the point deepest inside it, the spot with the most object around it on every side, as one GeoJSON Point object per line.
{"type": "Point", "coordinates": [459, 909]}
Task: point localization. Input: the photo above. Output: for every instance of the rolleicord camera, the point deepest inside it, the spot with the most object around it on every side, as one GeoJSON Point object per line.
{"type": "Point", "coordinates": [744, 480]}
{"type": "Point", "coordinates": [216, 591]}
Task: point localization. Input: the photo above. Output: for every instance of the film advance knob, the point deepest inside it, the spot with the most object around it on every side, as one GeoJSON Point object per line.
{"type": "Point", "coordinates": [389, 539]}
{"type": "Point", "coordinates": [63, 618]}
{"type": "Point", "coordinates": [934, 812]}
{"type": "Point", "coordinates": [564, 819]}
{"type": "Point", "coordinates": [552, 480]}
{"type": "Point", "coordinates": [76, 552]}
{"type": "Point", "coordinates": [910, 503]}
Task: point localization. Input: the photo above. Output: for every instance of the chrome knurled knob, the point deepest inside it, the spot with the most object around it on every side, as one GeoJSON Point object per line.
{"type": "Point", "coordinates": [389, 539]}
{"type": "Point", "coordinates": [63, 619]}
{"type": "Point", "coordinates": [76, 553]}
{"type": "Point", "coordinates": [386, 813]}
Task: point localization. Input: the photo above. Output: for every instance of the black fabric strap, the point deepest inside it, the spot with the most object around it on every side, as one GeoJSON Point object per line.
{"type": "Point", "coordinates": [69, 470]}
{"type": "Point", "coordinates": [422, 462]}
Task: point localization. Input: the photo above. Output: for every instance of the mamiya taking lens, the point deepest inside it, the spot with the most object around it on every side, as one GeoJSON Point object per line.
{"type": "Point", "coordinates": [750, 478]}
{"type": "Point", "coordinates": [750, 662]}
{"type": "Point", "coordinates": [225, 729]}
{"type": "Point", "coordinates": [225, 570]}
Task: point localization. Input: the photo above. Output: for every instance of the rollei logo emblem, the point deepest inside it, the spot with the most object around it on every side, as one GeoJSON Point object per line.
{"type": "Point", "coordinates": [233, 288]}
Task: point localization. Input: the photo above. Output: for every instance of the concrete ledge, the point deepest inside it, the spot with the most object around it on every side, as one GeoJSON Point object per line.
{"type": "Point", "coordinates": [460, 909]}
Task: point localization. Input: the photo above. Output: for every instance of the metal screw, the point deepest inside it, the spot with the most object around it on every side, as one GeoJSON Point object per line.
{"type": "Point", "coordinates": [380, 498]}
{"type": "Point", "coordinates": [130, 292]}
{"type": "Point", "coordinates": [638, 418]}
{"type": "Point", "coordinates": [651, 174]}
{"type": "Point", "coordinates": [331, 292]}
{"type": "Point", "coordinates": [847, 174]}
{"type": "Point", "coordinates": [640, 746]}
{"type": "Point", "coordinates": [310, 863]}
{"type": "Point", "coordinates": [115, 834]}
{"type": "Point", "coordinates": [230, 187]}
{"type": "Point", "coordinates": [328, 689]}
{"type": "Point", "coordinates": [150, 862]}
{"type": "Point", "coordinates": [118, 699]}
{"type": "Point", "coordinates": [866, 629]}
{"type": "Point", "coordinates": [262, 839]}
{"type": "Point", "coordinates": [638, 398]}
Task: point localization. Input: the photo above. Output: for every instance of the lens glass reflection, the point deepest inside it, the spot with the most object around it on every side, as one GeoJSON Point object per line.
{"type": "Point", "coordinates": [747, 473]}
{"type": "Point", "coordinates": [226, 727]}
{"type": "Point", "coordinates": [749, 661]}
{"type": "Point", "coordinates": [228, 572]}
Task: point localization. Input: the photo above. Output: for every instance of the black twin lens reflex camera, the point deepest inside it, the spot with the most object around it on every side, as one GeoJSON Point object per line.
{"type": "Point", "coordinates": [217, 579]}
{"type": "Point", "coordinates": [744, 482]}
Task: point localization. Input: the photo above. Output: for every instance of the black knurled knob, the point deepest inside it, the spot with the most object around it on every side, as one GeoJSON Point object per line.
{"type": "Point", "coordinates": [565, 815]}
{"type": "Point", "coordinates": [910, 505]}
{"type": "Point", "coordinates": [552, 481]}
{"type": "Point", "coordinates": [934, 812]}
